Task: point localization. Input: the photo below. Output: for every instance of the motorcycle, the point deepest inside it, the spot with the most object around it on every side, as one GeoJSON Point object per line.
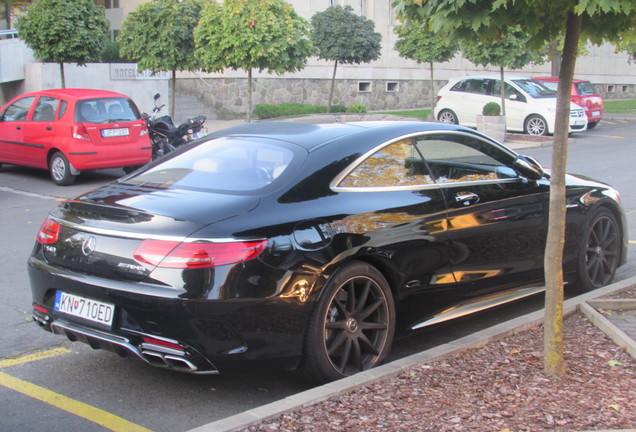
{"type": "Point", "coordinates": [165, 136]}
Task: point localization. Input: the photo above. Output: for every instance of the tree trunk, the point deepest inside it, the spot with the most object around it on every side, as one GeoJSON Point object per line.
{"type": "Point", "coordinates": [249, 95]}
{"type": "Point", "coordinates": [553, 361]}
{"type": "Point", "coordinates": [62, 75]}
{"type": "Point", "coordinates": [333, 82]}
{"type": "Point", "coordinates": [555, 58]}
{"type": "Point", "coordinates": [433, 95]}
{"type": "Point", "coordinates": [503, 91]}
{"type": "Point", "coordinates": [173, 93]}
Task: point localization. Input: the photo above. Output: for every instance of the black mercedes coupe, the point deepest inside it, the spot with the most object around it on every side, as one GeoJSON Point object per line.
{"type": "Point", "coordinates": [309, 246]}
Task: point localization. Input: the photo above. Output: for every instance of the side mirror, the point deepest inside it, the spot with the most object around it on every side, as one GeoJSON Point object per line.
{"type": "Point", "coordinates": [157, 96]}
{"type": "Point", "coordinates": [514, 97]}
{"type": "Point", "coordinates": [528, 167]}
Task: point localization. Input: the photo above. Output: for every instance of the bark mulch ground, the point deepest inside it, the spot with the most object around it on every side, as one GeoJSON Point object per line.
{"type": "Point", "coordinates": [498, 388]}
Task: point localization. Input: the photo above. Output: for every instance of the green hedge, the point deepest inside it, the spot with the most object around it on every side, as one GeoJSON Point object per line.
{"type": "Point", "coordinates": [266, 111]}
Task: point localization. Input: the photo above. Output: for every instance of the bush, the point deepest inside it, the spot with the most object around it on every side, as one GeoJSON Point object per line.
{"type": "Point", "coordinates": [357, 108]}
{"type": "Point", "coordinates": [265, 111]}
{"type": "Point", "coordinates": [491, 109]}
{"type": "Point", "coordinates": [338, 108]}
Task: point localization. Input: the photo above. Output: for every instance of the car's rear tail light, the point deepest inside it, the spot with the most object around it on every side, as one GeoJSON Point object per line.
{"type": "Point", "coordinates": [79, 132]}
{"type": "Point", "coordinates": [169, 254]}
{"type": "Point", "coordinates": [49, 232]}
{"type": "Point", "coordinates": [438, 98]}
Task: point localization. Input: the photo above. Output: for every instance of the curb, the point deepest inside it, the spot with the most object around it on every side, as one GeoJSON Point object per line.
{"type": "Point", "coordinates": [477, 340]}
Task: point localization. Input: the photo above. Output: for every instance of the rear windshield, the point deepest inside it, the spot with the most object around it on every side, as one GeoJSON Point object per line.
{"type": "Point", "coordinates": [584, 88]}
{"type": "Point", "coordinates": [106, 110]}
{"type": "Point", "coordinates": [223, 164]}
{"type": "Point", "coordinates": [535, 89]}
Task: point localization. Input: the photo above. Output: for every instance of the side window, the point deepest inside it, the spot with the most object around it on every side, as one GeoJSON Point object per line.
{"type": "Point", "coordinates": [399, 164]}
{"type": "Point", "coordinates": [45, 109]}
{"type": "Point", "coordinates": [510, 91]}
{"type": "Point", "coordinates": [477, 86]}
{"type": "Point", "coordinates": [63, 106]}
{"type": "Point", "coordinates": [460, 158]}
{"type": "Point", "coordinates": [18, 110]}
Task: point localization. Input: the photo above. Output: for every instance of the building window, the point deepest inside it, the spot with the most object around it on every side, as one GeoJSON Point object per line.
{"type": "Point", "coordinates": [392, 86]}
{"type": "Point", "coordinates": [364, 86]}
{"type": "Point", "coordinates": [610, 89]}
{"type": "Point", "coordinates": [625, 89]}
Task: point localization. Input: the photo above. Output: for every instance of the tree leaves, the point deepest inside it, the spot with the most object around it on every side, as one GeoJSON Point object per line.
{"type": "Point", "coordinates": [64, 31]}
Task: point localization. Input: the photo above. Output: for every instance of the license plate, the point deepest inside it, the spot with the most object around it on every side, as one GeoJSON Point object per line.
{"type": "Point", "coordinates": [596, 113]}
{"type": "Point", "coordinates": [109, 133]}
{"type": "Point", "coordinates": [199, 134]}
{"type": "Point", "coordinates": [83, 307]}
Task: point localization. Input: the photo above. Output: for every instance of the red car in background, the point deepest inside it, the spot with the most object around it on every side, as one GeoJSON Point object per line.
{"type": "Point", "coordinates": [71, 130]}
{"type": "Point", "coordinates": [584, 95]}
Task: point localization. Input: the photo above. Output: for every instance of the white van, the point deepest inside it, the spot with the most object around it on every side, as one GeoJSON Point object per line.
{"type": "Point", "coordinates": [530, 106]}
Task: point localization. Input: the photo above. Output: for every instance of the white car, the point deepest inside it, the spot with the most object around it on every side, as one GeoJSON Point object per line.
{"type": "Point", "coordinates": [530, 106]}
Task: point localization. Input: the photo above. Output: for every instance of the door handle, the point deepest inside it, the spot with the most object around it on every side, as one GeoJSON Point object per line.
{"type": "Point", "coordinates": [18, 127]}
{"type": "Point", "coordinates": [466, 198]}
{"type": "Point", "coordinates": [49, 128]}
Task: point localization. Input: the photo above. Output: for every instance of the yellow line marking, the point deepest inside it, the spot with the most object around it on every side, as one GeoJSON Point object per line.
{"type": "Point", "coordinates": [34, 357]}
{"type": "Point", "coordinates": [80, 409]}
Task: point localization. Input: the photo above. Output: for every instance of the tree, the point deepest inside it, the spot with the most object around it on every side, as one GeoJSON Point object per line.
{"type": "Point", "coordinates": [509, 51]}
{"type": "Point", "coordinates": [544, 20]}
{"type": "Point", "coordinates": [159, 37]}
{"type": "Point", "coordinates": [342, 36]}
{"type": "Point", "coordinates": [64, 31]}
{"type": "Point", "coordinates": [252, 35]}
{"type": "Point", "coordinates": [417, 42]}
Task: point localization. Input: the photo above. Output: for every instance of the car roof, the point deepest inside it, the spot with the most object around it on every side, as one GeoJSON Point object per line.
{"type": "Point", "coordinates": [556, 79]}
{"type": "Point", "coordinates": [507, 77]}
{"type": "Point", "coordinates": [313, 135]}
{"type": "Point", "coordinates": [76, 93]}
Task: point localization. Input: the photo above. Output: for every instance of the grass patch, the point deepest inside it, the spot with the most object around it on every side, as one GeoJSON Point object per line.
{"type": "Point", "coordinates": [420, 113]}
{"type": "Point", "coordinates": [627, 106]}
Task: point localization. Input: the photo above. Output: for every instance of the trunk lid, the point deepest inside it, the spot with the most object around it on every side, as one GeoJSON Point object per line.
{"type": "Point", "coordinates": [100, 230]}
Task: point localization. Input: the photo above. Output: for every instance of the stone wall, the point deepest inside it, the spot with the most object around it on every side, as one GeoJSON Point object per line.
{"type": "Point", "coordinates": [229, 99]}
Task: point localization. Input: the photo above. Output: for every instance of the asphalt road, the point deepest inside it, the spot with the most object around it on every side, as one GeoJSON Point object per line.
{"type": "Point", "coordinates": [78, 389]}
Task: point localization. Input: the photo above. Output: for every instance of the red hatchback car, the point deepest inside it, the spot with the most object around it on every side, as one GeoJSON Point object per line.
{"type": "Point", "coordinates": [584, 95]}
{"type": "Point", "coordinates": [71, 130]}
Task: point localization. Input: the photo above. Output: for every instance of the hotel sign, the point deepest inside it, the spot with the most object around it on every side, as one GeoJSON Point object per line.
{"type": "Point", "coordinates": [120, 71]}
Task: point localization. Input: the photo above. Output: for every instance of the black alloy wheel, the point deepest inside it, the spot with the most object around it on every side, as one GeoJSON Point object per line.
{"type": "Point", "coordinates": [600, 254]}
{"type": "Point", "coordinates": [352, 326]}
{"type": "Point", "coordinates": [60, 170]}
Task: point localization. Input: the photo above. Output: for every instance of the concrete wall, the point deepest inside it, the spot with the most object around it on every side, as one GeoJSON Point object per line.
{"type": "Point", "coordinates": [119, 77]}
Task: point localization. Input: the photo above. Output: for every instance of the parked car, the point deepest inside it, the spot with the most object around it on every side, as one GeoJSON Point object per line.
{"type": "Point", "coordinates": [530, 106]}
{"type": "Point", "coordinates": [71, 130]}
{"type": "Point", "coordinates": [584, 95]}
{"type": "Point", "coordinates": [293, 245]}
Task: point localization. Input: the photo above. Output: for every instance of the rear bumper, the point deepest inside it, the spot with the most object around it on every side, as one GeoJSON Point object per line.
{"type": "Point", "coordinates": [214, 336]}
{"type": "Point", "coordinates": [91, 156]}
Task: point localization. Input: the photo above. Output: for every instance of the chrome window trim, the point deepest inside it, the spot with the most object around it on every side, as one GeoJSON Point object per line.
{"type": "Point", "coordinates": [446, 185]}
{"type": "Point", "coordinates": [344, 173]}
{"type": "Point", "coordinates": [139, 236]}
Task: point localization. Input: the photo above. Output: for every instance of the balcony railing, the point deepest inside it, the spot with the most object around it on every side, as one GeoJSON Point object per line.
{"type": "Point", "coordinates": [9, 34]}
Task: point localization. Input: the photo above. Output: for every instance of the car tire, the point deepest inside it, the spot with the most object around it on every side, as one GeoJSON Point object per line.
{"type": "Point", "coordinates": [352, 325]}
{"type": "Point", "coordinates": [600, 250]}
{"type": "Point", "coordinates": [591, 125]}
{"type": "Point", "coordinates": [132, 168]}
{"type": "Point", "coordinates": [60, 170]}
{"type": "Point", "coordinates": [447, 116]}
{"type": "Point", "coordinates": [535, 125]}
